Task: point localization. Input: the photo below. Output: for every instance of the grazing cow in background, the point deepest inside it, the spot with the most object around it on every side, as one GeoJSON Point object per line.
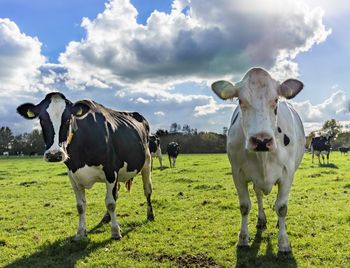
{"type": "Point", "coordinates": [265, 144]}
{"type": "Point", "coordinates": [7, 154]}
{"type": "Point", "coordinates": [173, 150]}
{"type": "Point", "coordinates": [321, 146]}
{"type": "Point", "coordinates": [344, 150]}
{"type": "Point", "coordinates": [154, 148]}
{"type": "Point", "coordinates": [33, 153]}
{"type": "Point", "coordinates": [96, 144]}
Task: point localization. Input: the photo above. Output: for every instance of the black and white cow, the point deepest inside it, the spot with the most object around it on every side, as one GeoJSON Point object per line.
{"type": "Point", "coordinates": [155, 150]}
{"type": "Point", "coordinates": [173, 150]}
{"type": "Point", "coordinates": [265, 144]}
{"type": "Point", "coordinates": [96, 144]}
{"type": "Point", "coordinates": [344, 150]}
{"type": "Point", "coordinates": [321, 146]}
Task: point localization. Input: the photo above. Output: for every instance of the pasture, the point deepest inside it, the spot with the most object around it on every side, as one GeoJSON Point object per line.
{"type": "Point", "coordinates": [197, 218]}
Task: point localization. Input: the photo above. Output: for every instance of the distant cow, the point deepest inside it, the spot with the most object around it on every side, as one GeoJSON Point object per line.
{"type": "Point", "coordinates": [33, 153]}
{"type": "Point", "coordinates": [265, 144]}
{"type": "Point", "coordinates": [96, 144]}
{"type": "Point", "coordinates": [321, 146]}
{"type": "Point", "coordinates": [344, 150]}
{"type": "Point", "coordinates": [173, 150]}
{"type": "Point", "coordinates": [6, 154]}
{"type": "Point", "coordinates": [155, 150]}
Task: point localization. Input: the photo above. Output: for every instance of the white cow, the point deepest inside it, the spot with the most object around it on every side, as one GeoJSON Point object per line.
{"type": "Point", "coordinates": [265, 144]}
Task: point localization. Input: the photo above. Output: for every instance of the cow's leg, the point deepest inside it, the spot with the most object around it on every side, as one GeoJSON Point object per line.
{"type": "Point", "coordinates": [323, 159]}
{"type": "Point", "coordinates": [151, 163]}
{"type": "Point", "coordinates": [244, 205]}
{"type": "Point", "coordinates": [261, 224]}
{"type": "Point", "coordinates": [81, 207]}
{"type": "Point", "coordinates": [312, 157]}
{"type": "Point", "coordinates": [107, 218]}
{"type": "Point", "coordinates": [328, 158]}
{"type": "Point", "coordinates": [170, 161]}
{"type": "Point", "coordinates": [161, 162]}
{"type": "Point", "coordinates": [160, 158]}
{"type": "Point", "coordinates": [110, 205]}
{"type": "Point", "coordinates": [281, 206]}
{"type": "Point", "coordinates": [147, 187]}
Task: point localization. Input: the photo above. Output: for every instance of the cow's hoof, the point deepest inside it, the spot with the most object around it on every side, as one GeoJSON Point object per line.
{"type": "Point", "coordinates": [115, 233]}
{"type": "Point", "coordinates": [150, 217]}
{"type": "Point", "coordinates": [284, 254]}
{"type": "Point", "coordinates": [261, 224]}
{"type": "Point", "coordinates": [284, 249]}
{"type": "Point", "coordinates": [116, 237]}
{"type": "Point", "coordinates": [79, 237]}
{"type": "Point", "coordinates": [243, 247]}
{"type": "Point", "coordinates": [243, 240]}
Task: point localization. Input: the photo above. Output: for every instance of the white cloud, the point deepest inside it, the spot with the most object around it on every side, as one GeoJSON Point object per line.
{"type": "Point", "coordinates": [211, 108]}
{"type": "Point", "coordinates": [20, 57]}
{"type": "Point", "coordinates": [211, 39]}
{"type": "Point", "coordinates": [159, 113]}
{"type": "Point", "coordinates": [333, 8]}
{"type": "Point", "coordinates": [142, 100]}
{"type": "Point", "coordinates": [337, 106]}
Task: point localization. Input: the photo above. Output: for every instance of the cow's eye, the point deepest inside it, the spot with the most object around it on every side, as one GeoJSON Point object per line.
{"type": "Point", "coordinates": [274, 103]}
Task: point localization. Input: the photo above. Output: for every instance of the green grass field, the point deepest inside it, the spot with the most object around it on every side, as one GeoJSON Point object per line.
{"type": "Point", "coordinates": [197, 218]}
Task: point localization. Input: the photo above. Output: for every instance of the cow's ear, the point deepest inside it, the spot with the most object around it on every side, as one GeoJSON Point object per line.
{"type": "Point", "coordinates": [80, 109]}
{"type": "Point", "coordinates": [225, 89]}
{"type": "Point", "coordinates": [28, 110]}
{"type": "Point", "coordinates": [290, 88]}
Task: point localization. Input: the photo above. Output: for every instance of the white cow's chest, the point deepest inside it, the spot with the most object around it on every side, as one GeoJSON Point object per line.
{"type": "Point", "coordinates": [87, 176]}
{"type": "Point", "coordinates": [263, 169]}
{"type": "Point", "coordinates": [263, 173]}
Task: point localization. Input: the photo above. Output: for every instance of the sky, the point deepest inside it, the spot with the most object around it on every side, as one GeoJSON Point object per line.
{"type": "Point", "coordinates": [159, 57]}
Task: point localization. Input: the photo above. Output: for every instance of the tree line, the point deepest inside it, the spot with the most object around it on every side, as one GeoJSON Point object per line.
{"type": "Point", "coordinates": [26, 143]}
{"type": "Point", "coordinates": [190, 140]}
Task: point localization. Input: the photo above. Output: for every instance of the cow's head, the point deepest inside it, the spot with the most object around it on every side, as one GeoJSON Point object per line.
{"type": "Point", "coordinates": [258, 95]}
{"type": "Point", "coordinates": [55, 113]}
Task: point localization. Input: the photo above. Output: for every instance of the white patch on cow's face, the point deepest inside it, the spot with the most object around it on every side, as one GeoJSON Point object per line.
{"type": "Point", "coordinates": [258, 99]}
{"type": "Point", "coordinates": [55, 111]}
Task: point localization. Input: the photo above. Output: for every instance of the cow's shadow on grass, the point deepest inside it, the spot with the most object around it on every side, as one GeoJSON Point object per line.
{"type": "Point", "coordinates": [126, 228]}
{"type": "Point", "coordinates": [330, 165]}
{"type": "Point", "coordinates": [61, 253]}
{"type": "Point", "coordinates": [67, 252]}
{"type": "Point", "coordinates": [248, 256]}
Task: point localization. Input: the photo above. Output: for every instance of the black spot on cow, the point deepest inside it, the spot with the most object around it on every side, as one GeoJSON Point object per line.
{"type": "Point", "coordinates": [234, 120]}
{"type": "Point", "coordinates": [138, 117]}
{"type": "Point", "coordinates": [286, 140]}
{"type": "Point", "coordinates": [279, 130]}
{"type": "Point", "coordinates": [275, 111]}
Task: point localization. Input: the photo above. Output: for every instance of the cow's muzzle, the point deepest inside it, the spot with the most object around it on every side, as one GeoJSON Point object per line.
{"type": "Point", "coordinates": [55, 156]}
{"type": "Point", "coordinates": [261, 143]}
